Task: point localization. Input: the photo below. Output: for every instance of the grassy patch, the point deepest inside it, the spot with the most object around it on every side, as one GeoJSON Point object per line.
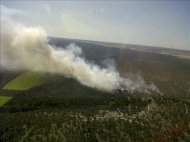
{"type": "Point", "coordinates": [4, 99]}
{"type": "Point", "coordinates": [25, 81]}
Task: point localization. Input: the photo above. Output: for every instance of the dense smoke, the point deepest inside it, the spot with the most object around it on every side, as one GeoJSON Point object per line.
{"type": "Point", "coordinates": [27, 49]}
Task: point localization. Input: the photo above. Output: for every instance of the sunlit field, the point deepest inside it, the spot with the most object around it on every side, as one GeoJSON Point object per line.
{"type": "Point", "coordinates": [25, 81]}
{"type": "Point", "coordinates": [4, 99]}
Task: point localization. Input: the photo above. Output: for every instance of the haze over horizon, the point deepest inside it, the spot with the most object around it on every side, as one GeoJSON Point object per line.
{"type": "Point", "coordinates": [154, 23]}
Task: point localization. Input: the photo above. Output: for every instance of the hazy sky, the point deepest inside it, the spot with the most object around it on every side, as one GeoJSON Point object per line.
{"type": "Point", "coordinates": [157, 23]}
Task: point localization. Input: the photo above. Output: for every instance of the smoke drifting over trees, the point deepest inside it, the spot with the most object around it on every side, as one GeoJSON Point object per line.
{"type": "Point", "coordinates": [27, 49]}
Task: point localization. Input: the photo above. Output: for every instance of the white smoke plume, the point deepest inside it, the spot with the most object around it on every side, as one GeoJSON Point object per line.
{"type": "Point", "coordinates": [27, 49]}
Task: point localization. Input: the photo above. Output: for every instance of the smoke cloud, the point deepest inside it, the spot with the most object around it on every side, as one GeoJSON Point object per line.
{"type": "Point", "coordinates": [27, 49]}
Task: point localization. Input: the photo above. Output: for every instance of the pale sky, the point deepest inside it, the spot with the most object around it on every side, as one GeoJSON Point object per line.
{"type": "Point", "coordinates": [157, 23]}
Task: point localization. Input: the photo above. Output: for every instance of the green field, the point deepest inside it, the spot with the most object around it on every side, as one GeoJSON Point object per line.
{"type": "Point", "coordinates": [4, 99]}
{"type": "Point", "coordinates": [25, 81]}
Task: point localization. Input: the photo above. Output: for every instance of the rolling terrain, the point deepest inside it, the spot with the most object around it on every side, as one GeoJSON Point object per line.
{"type": "Point", "coordinates": [50, 107]}
{"type": "Point", "coordinates": [168, 72]}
